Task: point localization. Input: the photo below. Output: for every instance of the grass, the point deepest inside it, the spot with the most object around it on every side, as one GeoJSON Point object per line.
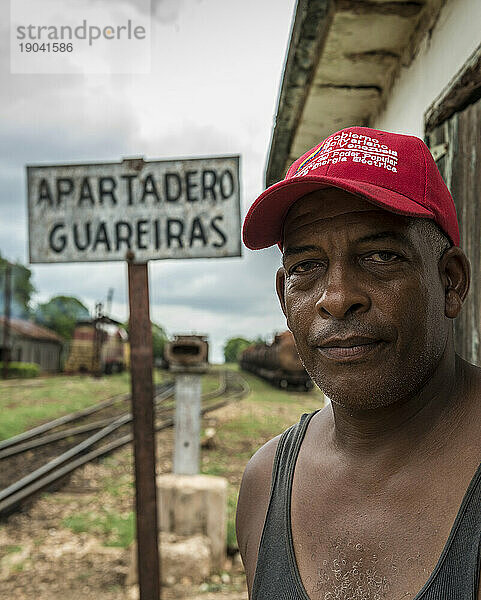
{"type": "Point", "coordinates": [117, 529]}
{"type": "Point", "coordinates": [23, 407]}
{"type": "Point", "coordinates": [117, 485]}
{"type": "Point", "coordinates": [12, 549]}
{"type": "Point", "coordinates": [232, 494]}
{"type": "Point", "coordinates": [211, 382]}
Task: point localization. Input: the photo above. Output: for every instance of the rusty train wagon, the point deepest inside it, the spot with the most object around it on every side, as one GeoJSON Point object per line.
{"type": "Point", "coordinates": [112, 353]}
{"type": "Point", "coordinates": [279, 363]}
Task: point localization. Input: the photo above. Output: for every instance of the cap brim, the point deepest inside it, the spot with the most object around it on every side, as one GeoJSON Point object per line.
{"type": "Point", "coordinates": [263, 223]}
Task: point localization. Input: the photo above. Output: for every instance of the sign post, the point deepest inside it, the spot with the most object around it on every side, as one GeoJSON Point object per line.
{"type": "Point", "coordinates": [136, 210]}
{"type": "Point", "coordinates": [141, 358]}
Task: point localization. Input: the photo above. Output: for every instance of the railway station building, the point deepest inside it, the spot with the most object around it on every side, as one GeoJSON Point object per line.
{"type": "Point", "coordinates": [405, 67]}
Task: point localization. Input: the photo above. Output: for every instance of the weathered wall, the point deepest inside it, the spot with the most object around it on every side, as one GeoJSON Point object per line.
{"type": "Point", "coordinates": [46, 354]}
{"type": "Point", "coordinates": [454, 38]}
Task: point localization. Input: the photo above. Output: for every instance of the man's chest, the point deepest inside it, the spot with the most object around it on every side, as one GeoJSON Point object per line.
{"type": "Point", "coordinates": [384, 545]}
{"type": "Point", "coordinates": [355, 560]}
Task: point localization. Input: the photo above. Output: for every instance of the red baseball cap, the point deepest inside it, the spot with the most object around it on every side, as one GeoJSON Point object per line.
{"type": "Point", "coordinates": [393, 171]}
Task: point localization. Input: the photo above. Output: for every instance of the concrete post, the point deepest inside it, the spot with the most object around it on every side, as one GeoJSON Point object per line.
{"type": "Point", "coordinates": [188, 387]}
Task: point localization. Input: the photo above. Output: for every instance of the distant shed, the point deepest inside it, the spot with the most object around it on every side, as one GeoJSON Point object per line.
{"type": "Point", "coordinates": [33, 344]}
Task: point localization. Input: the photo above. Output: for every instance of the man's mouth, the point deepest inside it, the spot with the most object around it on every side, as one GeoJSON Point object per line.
{"type": "Point", "coordinates": [349, 348]}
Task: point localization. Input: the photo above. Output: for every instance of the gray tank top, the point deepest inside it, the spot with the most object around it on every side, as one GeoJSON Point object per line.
{"type": "Point", "coordinates": [455, 577]}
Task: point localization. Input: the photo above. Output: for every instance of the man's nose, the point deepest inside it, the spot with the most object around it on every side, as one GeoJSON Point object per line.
{"type": "Point", "coordinates": [342, 294]}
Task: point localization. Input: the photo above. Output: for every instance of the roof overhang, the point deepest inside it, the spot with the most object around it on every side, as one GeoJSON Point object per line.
{"type": "Point", "coordinates": [342, 60]}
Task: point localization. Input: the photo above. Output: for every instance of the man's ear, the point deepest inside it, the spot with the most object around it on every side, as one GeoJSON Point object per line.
{"type": "Point", "coordinates": [280, 288]}
{"type": "Point", "coordinates": [455, 274]}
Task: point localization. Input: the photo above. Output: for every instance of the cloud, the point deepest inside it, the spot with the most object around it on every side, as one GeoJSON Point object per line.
{"type": "Point", "coordinates": [212, 91]}
{"type": "Point", "coordinates": [167, 11]}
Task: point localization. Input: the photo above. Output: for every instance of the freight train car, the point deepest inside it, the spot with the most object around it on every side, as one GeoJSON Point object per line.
{"type": "Point", "coordinates": [279, 363]}
{"type": "Point", "coordinates": [98, 346]}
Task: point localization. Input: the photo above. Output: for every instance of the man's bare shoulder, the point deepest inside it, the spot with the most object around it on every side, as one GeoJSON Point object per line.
{"type": "Point", "coordinates": [255, 487]}
{"type": "Point", "coordinates": [253, 503]}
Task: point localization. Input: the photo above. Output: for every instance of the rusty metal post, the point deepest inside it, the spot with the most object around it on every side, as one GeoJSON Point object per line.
{"type": "Point", "coordinates": [6, 321]}
{"type": "Point", "coordinates": [141, 359]}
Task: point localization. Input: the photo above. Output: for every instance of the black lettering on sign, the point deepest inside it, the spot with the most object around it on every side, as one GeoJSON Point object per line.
{"type": "Point", "coordinates": [86, 193]}
{"type": "Point", "coordinates": [157, 233]}
{"type": "Point", "coordinates": [64, 188]}
{"type": "Point", "coordinates": [76, 237]}
{"type": "Point", "coordinates": [128, 179]}
{"type": "Point", "coordinates": [142, 231]}
{"type": "Point", "coordinates": [226, 184]}
{"type": "Point", "coordinates": [58, 242]}
{"type": "Point", "coordinates": [150, 189]}
{"type": "Point", "coordinates": [101, 237]}
{"type": "Point", "coordinates": [220, 233]}
{"type": "Point", "coordinates": [173, 235]}
{"type": "Point", "coordinates": [191, 186]}
{"type": "Point", "coordinates": [123, 238]}
{"type": "Point", "coordinates": [197, 232]}
{"type": "Point", "coordinates": [107, 187]}
{"type": "Point", "coordinates": [45, 195]}
{"type": "Point", "coordinates": [172, 186]}
{"type": "Point", "coordinates": [209, 179]}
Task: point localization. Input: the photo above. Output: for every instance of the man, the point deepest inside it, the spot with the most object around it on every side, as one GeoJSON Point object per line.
{"type": "Point", "coordinates": [378, 495]}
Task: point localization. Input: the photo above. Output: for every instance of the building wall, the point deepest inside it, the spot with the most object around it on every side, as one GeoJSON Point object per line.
{"type": "Point", "coordinates": [454, 38]}
{"type": "Point", "coordinates": [43, 353]}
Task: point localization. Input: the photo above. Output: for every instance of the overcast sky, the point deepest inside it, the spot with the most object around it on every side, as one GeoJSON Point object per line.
{"type": "Point", "coordinates": [216, 70]}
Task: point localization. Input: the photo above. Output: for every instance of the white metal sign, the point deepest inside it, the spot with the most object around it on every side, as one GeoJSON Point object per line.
{"type": "Point", "coordinates": [154, 209]}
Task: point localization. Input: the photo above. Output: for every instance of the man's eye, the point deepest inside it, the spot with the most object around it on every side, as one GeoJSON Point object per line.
{"type": "Point", "coordinates": [304, 267]}
{"type": "Point", "coordinates": [383, 257]}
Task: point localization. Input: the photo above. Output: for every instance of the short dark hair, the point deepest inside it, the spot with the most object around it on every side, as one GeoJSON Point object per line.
{"type": "Point", "coordinates": [436, 238]}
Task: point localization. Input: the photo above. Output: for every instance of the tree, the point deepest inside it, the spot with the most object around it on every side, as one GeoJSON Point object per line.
{"type": "Point", "coordinates": [60, 314]}
{"type": "Point", "coordinates": [234, 347]}
{"type": "Point", "coordinates": [159, 339]}
{"type": "Point", "coordinates": [21, 286]}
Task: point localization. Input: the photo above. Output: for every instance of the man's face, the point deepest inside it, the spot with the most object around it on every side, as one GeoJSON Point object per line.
{"type": "Point", "coordinates": [362, 294]}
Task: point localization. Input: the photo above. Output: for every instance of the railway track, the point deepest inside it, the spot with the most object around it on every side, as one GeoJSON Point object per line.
{"type": "Point", "coordinates": [33, 438]}
{"type": "Point", "coordinates": [231, 387]}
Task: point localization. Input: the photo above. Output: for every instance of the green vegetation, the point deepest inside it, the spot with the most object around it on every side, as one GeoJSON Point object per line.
{"type": "Point", "coordinates": [26, 405]}
{"type": "Point", "coordinates": [234, 347]}
{"type": "Point", "coordinates": [21, 286]}
{"type": "Point", "coordinates": [211, 382]}
{"type": "Point", "coordinates": [232, 494]}
{"type": "Point", "coordinates": [21, 370]}
{"type": "Point", "coordinates": [159, 339]}
{"type": "Point", "coordinates": [12, 549]}
{"type": "Point", "coordinates": [60, 314]}
{"type": "Point", "coordinates": [118, 484]}
{"type": "Point", "coordinates": [116, 529]}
